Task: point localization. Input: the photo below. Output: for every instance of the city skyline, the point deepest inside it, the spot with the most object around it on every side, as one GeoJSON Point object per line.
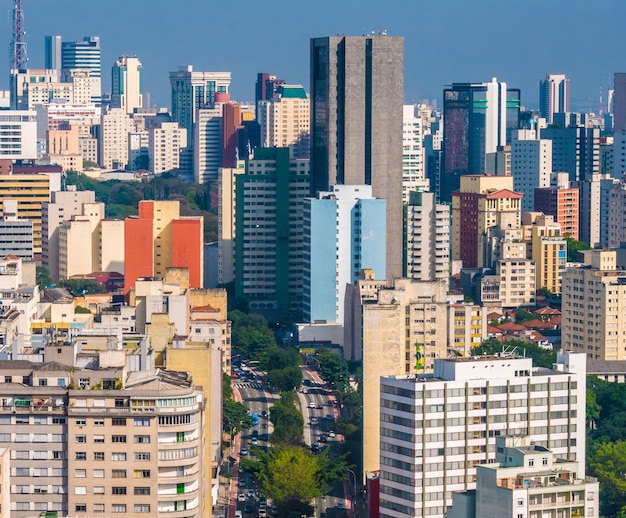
{"type": "Point", "coordinates": [463, 41]}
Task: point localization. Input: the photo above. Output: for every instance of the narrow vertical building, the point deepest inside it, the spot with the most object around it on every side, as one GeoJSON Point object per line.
{"type": "Point", "coordinates": [357, 94]}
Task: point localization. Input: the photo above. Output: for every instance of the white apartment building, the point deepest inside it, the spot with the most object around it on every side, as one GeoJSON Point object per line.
{"type": "Point", "coordinates": [531, 165]}
{"type": "Point", "coordinates": [285, 120]}
{"type": "Point", "coordinates": [427, 238]}
{"type": "Point", "coordinates": [207, 143]}
{"type": "Point", "coordinates": [594, 297]}
{"type": "Point", "coordinates": [165, 142]}
{"type": "Point", "coordinates": [413, 176]}
{"type": "Point", "coordinates": [127, 84]}
{"type": "Point", "coordinates": [527, 481]}
{"type": "Point", "coordinates": [436, 428]}
{"type": "Point", "coordinates": [115, 126]}
{"type": "Point", "coordinates": [18, 135]}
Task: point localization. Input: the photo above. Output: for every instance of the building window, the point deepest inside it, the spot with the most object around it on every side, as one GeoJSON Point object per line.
{"type": "Point", "coordinates": [142, 491]}
{"type": "Point", "coordinates": [142, 456]}
{"type": "Point", "coordinates": [118, 438]}
{"type": "Point", "coordinates": [118, 473]}
{"type": "Point", "coordinates": [98, 438]}
{"type": "Point", "coordinates": [118, 508]}
{"type": "Point", "coordinates": [118, 490]}
{"type": "Point", "coordinates": [81, 438]}
{"type": "Point", "coordinates": [98, 508]}
{"type": "Point", "coordinates": [142, 439]}
{"type": "Point", "coordinates": [80, 473]}
{"type": "Point", "coordinates": [118, 421]}
{"type": "Point", "coordinates": [98, 455]}
{"type": "Point", "coordinates": [81, 508]}
{"type": "Point", "coordinates": [142, 473]}
{"type": "Point", "coordinates": [98, 473]}
{"type": "Point", "coordinates": [98, 422]}
{"type": "Point", "coordinates": [118, 456]}
{"type": "Point", "coordinates": [81, 455]}
{"type": "Point", "coordinates": [142, 508]}
{"type": "Point", "coordinates": [142, 421]}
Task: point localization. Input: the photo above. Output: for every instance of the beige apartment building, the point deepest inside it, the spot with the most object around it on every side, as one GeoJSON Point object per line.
{"type": "Point", "coordinates": [132, 447]}
{"type": "Point", "coordinates": [165, 143]}
{"type": "Point", "coordinates": [594, 297]}
{"type": "Point", "coordinates": [115, 125]}
{"type": "Point", "coordinates": [226, 184]}
{"type": "Point", "coordinates": [549, 252]}
{"type": "Point", "coordinates": [467, 327]}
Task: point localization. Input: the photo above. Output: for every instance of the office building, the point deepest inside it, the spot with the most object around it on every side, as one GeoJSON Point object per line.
{"type": "Point", "coordinates": [436, 428]}
{"type": "Point", "coordinates": [403, 330]}
{"type": "Point", "coordinates": [482, 203]}
{"type": "Point", "coordinates": [84, 55]}
{"type": "Point", "coordinates": [477, 119]}
{"type": "Point", "coordinates": [159, 238]}
{"type": "Point", "coordinates": [127, 84]}
{"type": "Point", "coordinates": [265, 87]}
{"type": "Point", "coordinates": [53, 54]}
{"type": "Point", "coordinates": [226, 217]}
{"type": "Point", "coordinates": [357, 92]}
{"type": "Point", "coordinates": [413, 177]}
{"type": "Point", "coordinates": [16, 234]}
{"type": "Point", "coordinates": [357, 222]}
{"type": "Point", "coordinates": [531, 164]}
{"type": "Point", "coordinates": [427, 248]}
{"type": "Point", "coordinates": [191, 92]}
{"type": "Point", "coordinates": [561, 202]}
{"type": "Point", "coordinates": [18, 135]}
{"type": "Point", "coordinates": [527, 480]}
{"type": "Point", "coordinates": [115, 126]}
{"type": "Point", "coordinates": [619, 102]}
{"type": "Point", "coordinates": [284, 120]}
{"type": "Point", "coordinates": [269, 240]}
{"type": "Point", "coordinates": [165, 143]}
{"type": "Point", "coordinates": [599, 331]}
{"type": "Point", "coordinates": [61, 207]}
{"type": "Point", "coordinates": [553, 96]}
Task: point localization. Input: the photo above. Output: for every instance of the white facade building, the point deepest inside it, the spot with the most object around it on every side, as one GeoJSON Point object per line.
{"type": "Point", "coordinates": [531, 165]}
{"type": "Point", "coordinates": [127, 84]}
{"type": "Point", "coordinates": [164, 145]}
{"type": "Point", "coordinates": [428, 238]}
{"type": "Point", "coordinates": [18, 135]}
{"type": "Point", "coordinates": [412, 152]}
{"type": "Point", "coordinates": [114, 129]}
{"type": "Point", "coordinates": [207, 144]}
{"type": "Point", "coordinates": [435, 428]}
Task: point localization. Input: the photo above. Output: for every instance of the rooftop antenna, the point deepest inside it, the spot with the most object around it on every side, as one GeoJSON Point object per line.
{"type": "Point", "coordinates": [17, 56]}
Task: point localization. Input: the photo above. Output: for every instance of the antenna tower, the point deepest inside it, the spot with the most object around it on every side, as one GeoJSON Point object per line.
{"type": "Point", "coordinates": [18, 57]}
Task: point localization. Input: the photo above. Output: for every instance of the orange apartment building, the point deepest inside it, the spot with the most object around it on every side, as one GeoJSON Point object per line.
{"type": "Point", "coordinates": [159, 238]}
{"type": "Point", "coordinates": [562, 203]}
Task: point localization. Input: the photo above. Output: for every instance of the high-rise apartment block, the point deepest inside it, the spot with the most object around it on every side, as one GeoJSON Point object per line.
{"type": "Point", "coordinates": [226, 217]}
{"type": "Point", "coordinates": [285, 120]}
{"type": "Point", "coordinates": [63, 149]}
{"type": "Point", "coordinates": [531, 164]}
{"type": "Point", "coordinates": [617, 215]}
{"type": "Point", "coordinates": [561, 202]}
{"type": "Point", "coordinates": [84, 54]}
{"type": "Point", "coordinates": [159, 238]}
{"type": "Point", "coordinates": [269, 240]}
{"type": "Point", "coordinates": [553, 96]}
{"type": "Point", "coordinates": [127, 84]}
{"type": "Point", "coordinates": [413, 174]}
{"type": "Point", "coordinates": [207, 143]}
{"type": "Point", "coordinates": [482, 203]}
{"type": "Point", "coordinates": [16, 234]}
{"type": "Point", "coordinates": [594, 297]}
{"type": "Point", "coordinates": [436, 428]}
{"type": "Point", "coordinates": [477, 119]}
{"type": "Point", "coordinates": [357, 92]}
{"type": "Point", "coordinates": [427, 248]}
{"type": "Point", "coordinates": [357, 222]}
{"type": "Point", "coordinates": [115, 125]}
{"type": "Point", "coordinates": [165, 142]}
{"type": "Point", "coordinates": [619, 102]}
{"type": "Point", "coordinates": [18, 135]}
{"type": "Point", "coordinates": [549, 252]}
{"type": "Point", "coordinates": [575, 150]}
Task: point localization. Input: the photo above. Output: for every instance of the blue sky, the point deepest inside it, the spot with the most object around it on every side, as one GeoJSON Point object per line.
{"type": "Point", "coordinates": [445, 40]}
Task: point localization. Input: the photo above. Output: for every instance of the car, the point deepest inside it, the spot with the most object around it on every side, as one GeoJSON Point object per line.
{"type": "Point", "coordinates": [329, 417]}
{"type": "Point", "coordinates": [249, 508]}
{"type": "Point", "coordinates": [241, 497]}
{"type": "Point", "coordinates": [305, 391]}
{"type": "Point", "coordinates": [238, 514]}
{"type": "Point", "coordinates": [264, 413]}
{"type": "Point", "coordinates": [243, 452]}
{"type": "Point", "coordinates": [341, 505]}
{"type": "Point", "coordinates": [274, 510]}
{"type": "Point", "coordinates": [262, 502]}
{"type": "Point", "coordinates": [251, 493]}
{"type": "Point", "coordinates": [262, 513]}
{"type": "Point", "coordinates": [323, 438]}
{"type": "Point", "coordinates": [255, 433]}
{"type": "Point", "coordinates": [331, 434]}
{"type": "Point", "coordinates": [254, 440]}
{"type": "Point", "coordinates": [312, 404]}
{"type": "Point", "coordinates": [314, 420]}
{"type": "Point", "coordinates": [315, 447]}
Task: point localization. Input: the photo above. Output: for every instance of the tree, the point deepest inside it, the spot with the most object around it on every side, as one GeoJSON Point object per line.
{"type": "Point", "coordinates": [236, 417]}
{"type": "Point", "coordinates": [251, 336]}
{"type": "Point", "coordinates": [573, 247]}
{"type": "Point", "coordinates": [287, 420]}
{"type": "Point", "coordinates": [227, 388]}
{"type": "Point", "coordinates": [81, 286]}
{"type": "Point", "coordinates": [607, 461]}
{"type": "Point", "coordinates": [541, 357]}
{"type": "Point", "coordinates": [286, 379]}
{"type": "Point", "coordinates": [521, 315]}
{"type": "Point", "coordinates": [332, 368]}
{"type": "Point", "coordinates": [43, 277]}
{"type": "Point", "coordinates": [80, 309]}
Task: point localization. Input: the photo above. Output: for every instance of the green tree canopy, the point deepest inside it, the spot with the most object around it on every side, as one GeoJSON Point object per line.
{"type": "Point", "coordinates": [251, 337]}
{"type": "Point", "coordinates": [283, 380]}
{"type": "Point", "coordinates": [236, 417]}
{"type": "Point", "coordinates": [287, 420]}
{"type": "Point", "coordinates": [43, 277]}
{"type": "Point", "coordinates": [608, 462]}
{"type": "Point", "coordinates": [332, 368]}
{"type": "Point", "coordinates": [573, 247]}
{"type": "Point", "coordinates": [80, 286]}
{"type": "Point", "coordinates": [541, 357]}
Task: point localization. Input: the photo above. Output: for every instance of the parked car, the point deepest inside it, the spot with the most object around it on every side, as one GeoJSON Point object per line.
{"type": "Point", "coordinates": [331, 434]}
{"type": "Point", "coordinates": [243, 452]}
{"type": "Point", "coordinates": [241, 497]}
{"type": "Point", "coordinates": [312, 404]}
{"type": "Point", "coordinates": [238, 514]}
{"type": "Point", "coordinates": [242, 482]}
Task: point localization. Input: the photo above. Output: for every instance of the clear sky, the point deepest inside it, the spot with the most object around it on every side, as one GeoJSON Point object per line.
{"type": "Point", "coordinates": [445, 40]}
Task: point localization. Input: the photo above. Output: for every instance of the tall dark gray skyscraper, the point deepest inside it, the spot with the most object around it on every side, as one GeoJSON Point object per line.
{"type": "Point", "coordinates": [619, 102]}
{"type": "Point", "coordinates": [357, 94]}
